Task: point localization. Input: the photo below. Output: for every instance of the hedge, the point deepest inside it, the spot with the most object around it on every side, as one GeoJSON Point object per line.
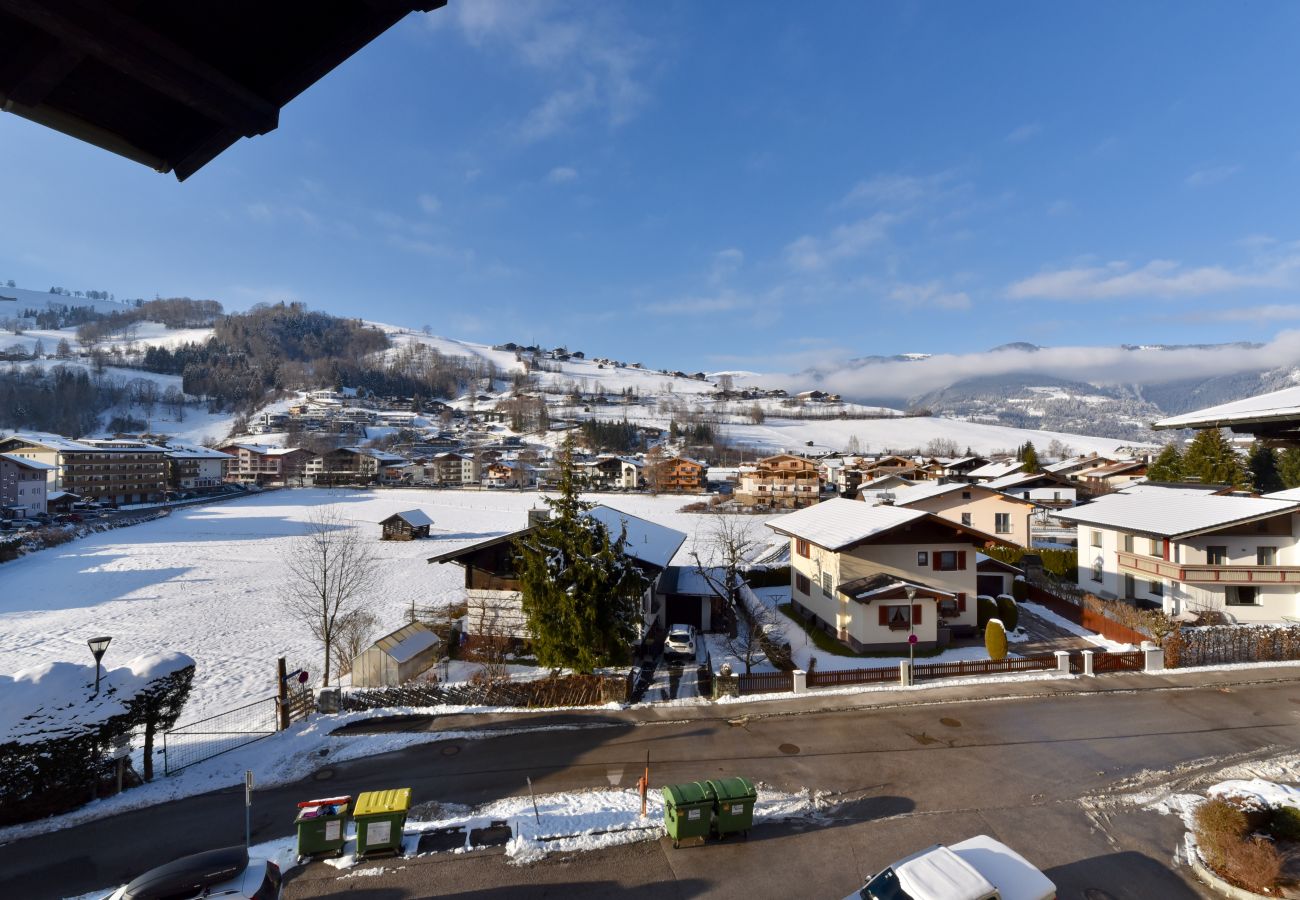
{"type": "Point", "coordinates": [1008, 612]}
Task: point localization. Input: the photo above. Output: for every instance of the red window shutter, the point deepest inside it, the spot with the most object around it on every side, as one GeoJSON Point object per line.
{"type": "Point", "coordinates": [961, 559]}
{"type": "Point", "coordinates": [916, 614]}
{"type": "Point", "coordinates": [961, 602]}
{"type": "Point", "coordinates": [884, 615]}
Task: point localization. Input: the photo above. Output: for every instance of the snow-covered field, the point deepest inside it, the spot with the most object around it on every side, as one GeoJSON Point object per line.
{"type": "Point", "coordinates": [207, 581]}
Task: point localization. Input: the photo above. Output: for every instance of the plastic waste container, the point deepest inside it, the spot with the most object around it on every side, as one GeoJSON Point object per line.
{"type": "Point", "coordinates": [322, 826]}
{"type": "Point", "coordinates": [734, 810]}
{"type": "Point", "coordinates": [380, 817]}
{"type": "Point", "coordinates": [688, 810]}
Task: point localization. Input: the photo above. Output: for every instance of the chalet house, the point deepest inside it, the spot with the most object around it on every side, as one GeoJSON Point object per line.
{"type": "Point", "coordinates": [1067, 468]}
{"type": "Point", "coordinates": [1044, 488]}
{"type": "Point", "coordinates": [112, 471]}
{"type": "Point", "coordinates": [784, 481]}
{"type": "Point", "coordinates": [992, 470]}
{"type": "Point", "coordinates": [1190, 551]}
{"type": "Point", "coordinates": [870, 575]}
{"type": "Point", "coordinates": [262, 464]}
{"type": "Point", "coordinates": [23, 486]}
{"type": "Point", "coordinates": [410, 525]}
{"type": "Point", "coordinates": [495, 605]}
{"type": "Point", "coordinates": [959, 469]}
{"type": "Point", "coordinates": [452, 469]}
{"type": "Point", "coordinates": [1113, 476]}
{"type": "Point", "coordinates": [509, 474]}
{"type": "Point", "coordinates": [194, 468]}
{"type": "Point", "coordinates": [356, 465]}
{"type": "Point", "coordinates": [612, 473]}
{"type": "Point", "coordinates": [890, 465]}
{"type": "Point", "coordinates": [680, 475]}
{"type": "Point", "coordinates": [883, 489]}
{"type": "Point", "coordinates": [975, 506]}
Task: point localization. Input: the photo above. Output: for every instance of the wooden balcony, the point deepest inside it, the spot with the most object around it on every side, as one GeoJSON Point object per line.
{"type": "Point", "coordinates": [1193, 573]}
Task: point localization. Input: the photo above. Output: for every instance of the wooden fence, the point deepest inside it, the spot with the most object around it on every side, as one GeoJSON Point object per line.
{"type": "Point", "coordinates": [984, 667]}
{"type": "Point", "coordinates": [1085, 616]}
{"type": "Point", "coordinates": [1125, 661]}
{"type": "Point", "coordinates": [766, 683]}
{"type": "Point", "coordinates": [832, 678]}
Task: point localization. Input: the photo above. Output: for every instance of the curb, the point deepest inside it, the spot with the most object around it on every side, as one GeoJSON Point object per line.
{"type": "Point", "coordinates": [1214, 881]}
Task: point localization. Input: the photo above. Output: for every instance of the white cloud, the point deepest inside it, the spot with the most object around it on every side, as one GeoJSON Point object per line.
{"type": "Point", "coordinates": [430, 203]}
{"type": "Point", "coordinates": [895, 190]}
{"type": "Point", "coordinates": [1212, 175]}
{"type": "Point", "coordinates": [844, 242]}
{"type": "Point", "coordinates": [1158, 278]}
{"type": "Point", "coordinates": [1024, 133]}
{"type": "Point", "coordinates": [725, 301]}
{"type": "Point", "coordinates": [930, 295]}
{"type": "Point", "coordinates": [561, 175]}
{"type": "Point", "coordinates": [1272, 312]}
{"type": "Point", "coordinates": [725, 264]}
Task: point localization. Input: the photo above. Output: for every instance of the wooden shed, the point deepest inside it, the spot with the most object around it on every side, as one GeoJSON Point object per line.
{"type": "Point", "coordinates": [406, 526]}
{"type": "Point", "coordinates": [396, 658]}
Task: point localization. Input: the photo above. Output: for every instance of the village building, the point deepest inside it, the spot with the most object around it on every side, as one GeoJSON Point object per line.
{"type": "Point", "coordinates": [111, 471]}
{"type": "Point", "coordinates": [678, 475]}
{"type": "Point", "coordinates": [1008, 518]}
{"type": "Point", "coordinates": [784, 481]}
{"type": "Point", "coordinates": [410, 525]}
{"type": "Point", "coordinates": [262, 464]}
{"type": "Point", "coordinates": [195, 468]}
{"type": "Point", "coordinates": [23, 486]}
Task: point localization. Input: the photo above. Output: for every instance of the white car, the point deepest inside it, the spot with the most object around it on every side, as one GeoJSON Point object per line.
{"type": "Point", "coordinates": [227, 873]}
{"type": "Point", "coordinates": [978, 868]}
{"type": "Point", "coordinates": [680, 641]}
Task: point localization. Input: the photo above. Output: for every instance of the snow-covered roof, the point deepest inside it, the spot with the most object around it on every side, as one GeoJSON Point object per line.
{"type": "Point", "coordinates": [194, 451]}
{"type": "Point", "coordinates": [882, 584]}
{"type": "Point", "coordinates": [1283, 405]}
{"type": "Point", "coordinates": [837, 523]}
{"type": "Point", "coordinates": [1015, 479]}
{"type": "Point", "coordinates": [404, 643]}
{"type": "Point", "coordinates": [28, 463]}
{"type": "Point", "coordinates": [996, 469]}
{"type": "Point", "coordinates": [1174, 513]}
{"type": "Point", "coordinates": [647, 541]}
{"type": "Point", "coordinates": [412, 517]}
{"type": "Point", "coordinates": [52, 441]}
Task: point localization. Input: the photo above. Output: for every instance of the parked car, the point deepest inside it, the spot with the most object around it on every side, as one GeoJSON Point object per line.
{"type": "Point", "coordinates": [978, 868]}
{"type": "Point", "coordinates": [228, 872]}
{"type": "Point", "coordinates": [680, 641]}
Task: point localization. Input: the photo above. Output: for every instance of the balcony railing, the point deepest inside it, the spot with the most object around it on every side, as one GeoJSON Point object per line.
{"type": "Point", "coordinates": [1196, 573]}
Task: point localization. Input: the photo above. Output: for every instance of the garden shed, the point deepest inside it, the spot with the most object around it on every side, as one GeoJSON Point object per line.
{"type": "Point", "coordinates": [396, 658]}
{"type": "Point", "coordinates": [406, 526]}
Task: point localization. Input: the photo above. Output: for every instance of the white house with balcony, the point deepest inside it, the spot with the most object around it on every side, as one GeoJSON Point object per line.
{"type": "Point", "coordinates": [1191, 551]}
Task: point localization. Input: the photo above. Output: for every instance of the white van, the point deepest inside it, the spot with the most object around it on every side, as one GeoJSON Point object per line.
{"type": "Point", "coordinates": [978, 868]}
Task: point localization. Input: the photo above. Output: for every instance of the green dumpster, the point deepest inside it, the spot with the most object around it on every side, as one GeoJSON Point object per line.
{"type": "Point", "coordinates": [380, 817]}
{"type": "Point", "coordinates": [688, 810]}
{"type": "Point", "coordinates": [322, 826]}
{"type": "Point", "coordinates": [734, 811]}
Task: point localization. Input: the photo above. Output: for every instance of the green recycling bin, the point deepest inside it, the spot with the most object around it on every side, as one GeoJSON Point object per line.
{"type": "Point", "coordinates": [688, 810]}
{"type": "Point", "coordinates": [322, 826]}
{"type": "Point", "coordinates": [380, 817]}
{"type": "Point", "coordinates": [734, 810]}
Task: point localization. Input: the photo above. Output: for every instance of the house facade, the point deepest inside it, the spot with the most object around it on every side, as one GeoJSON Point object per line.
{"type": "Point", "coordinates": [612, 473]}
{"type": "Point", "coordinates": [784, 481]}
{"type": "Point", "coordinates": [872, 575]}
{"type": "Point", "coordinates": [191, 468]}
{"type": "Point", "coordinates": [23, 486]}
{"type": "Point", "coordinates": [262, 464]}
{"type": "Point", "coordinates": [1008, 518]}
{"type": "Point", "coordinates": [1043, 488]}
{"type": "Point", "coordinates": [1188, 551]}
{"type": "Point", "coordinates": [109, 471]}
{"type": "Point", "coordinates": [680, 475]}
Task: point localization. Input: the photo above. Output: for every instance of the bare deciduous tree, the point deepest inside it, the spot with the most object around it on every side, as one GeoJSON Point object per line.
{"type": "Point", "coordinates": [332, 569]}
{"type": "Point", "coordinates": [352, 635]}
{"type": "Point", "coordinates": [726, 542]}
{"type": "Point", "coordinates": [751, 641]}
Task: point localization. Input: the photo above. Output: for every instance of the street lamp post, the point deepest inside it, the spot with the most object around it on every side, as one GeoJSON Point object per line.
{"type": "Point", "coordinates": [911, 623]}
{"type": "Point", "coordinates": [97, 647]}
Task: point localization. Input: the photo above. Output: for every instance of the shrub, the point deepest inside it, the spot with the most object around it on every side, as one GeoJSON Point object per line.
{"type": "Point", "coordinates": [1252, 863]}
{"type": "Point", "coordinates": [1218, 825]}
{"type": "Point", "coordinates": [985, 608]}
{"type": "Point", "coordinates": [1008, 612]}
{"type": "Point", "coordinates": [995, 639]}
{"type": "Point", "coordinates": [1020, 590]}
{"type": "Point", "coordinates": [1284, 823]}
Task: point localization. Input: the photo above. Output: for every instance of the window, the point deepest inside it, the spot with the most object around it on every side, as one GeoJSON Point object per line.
{"type": "Point", "coordinates": [965, 495]}
{"type": "Point", "coordinates": [1096, 538]}
{"type": "Point", "coordinates": [965, 519]}
{"type": "Point", "coordinates": [802, 548]}
{"type": "Point", "coordinates": [1130, 587]}
{"type": "Point", "coordinates": [898, 618]}
{"type": "Point", "coordinates": [1096, 570]}
{"type": "Point", "coordinates": [922, 558]}
{"type": "Point", "coordinates": [949, 560]}
{"type": "Point", "coordinates": [1128, 543]}
{"type": "Point", "coordinates": [1156, 588]}
{"type": "Point", "coordinates": [1157, 548]}
{"type": "Point", "coordinates": [1002, 523]}
{"type": "Point", "coordinates": [801, 583]}
{"type": "Point", "coordinates": [1216, 556]}
{"type": "Point", "coordinates": [828, 586]}
{"type": "Point", "coordinates": [1242, 595]}
{"type": "Point", "coordinates": [1266, 556]}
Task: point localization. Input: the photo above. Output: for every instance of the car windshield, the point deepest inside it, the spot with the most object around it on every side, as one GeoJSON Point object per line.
{"type": "Point", "coordinates": [884, 886]}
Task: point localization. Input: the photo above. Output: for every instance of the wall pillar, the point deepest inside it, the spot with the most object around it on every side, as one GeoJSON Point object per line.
{"type": "Point", "coordinates": [1087, 662]}
{"type": "Point", "coordinates": [1155, 657]}
{"type": "Point", "coordinates": [905, 673]}
{"type": "Point", "coordinates": [800, 681]}
{"type": "Point", "coordinates": [1063, 662]}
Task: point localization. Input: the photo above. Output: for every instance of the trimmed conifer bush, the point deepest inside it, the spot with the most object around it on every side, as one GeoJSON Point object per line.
{"type": "Point", "coordinates": [1020, 590]}
{"type": "Point", "coordinates": [995, 639]}
{"type": "Point", "coordinates": [985, 608]}
{"type": "Point", "coordinates": [1008, 612]}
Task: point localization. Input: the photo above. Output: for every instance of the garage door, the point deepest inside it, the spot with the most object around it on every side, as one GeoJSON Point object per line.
{"type": "Point", "coordinates": [989, 584]}
{"type": "Point", "coordinates": [683, 610]}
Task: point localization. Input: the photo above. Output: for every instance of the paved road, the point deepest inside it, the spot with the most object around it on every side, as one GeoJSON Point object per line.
{"type": "Point", "coordinates": [910, 775]}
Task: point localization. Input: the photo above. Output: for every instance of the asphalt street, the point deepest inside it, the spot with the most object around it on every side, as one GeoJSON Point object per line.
{"type": "Point", "coordinates": [1042, 773]}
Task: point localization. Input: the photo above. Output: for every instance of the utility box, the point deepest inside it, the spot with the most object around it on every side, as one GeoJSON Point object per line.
{"type": "Point", "coordinates": [688, 811]}
{"type": "Point", "coordinates": [734, 810]}
{"type": "Point", "coordinates": [322, 826]}
{"type": "Point", "coordinates": [380, 817]}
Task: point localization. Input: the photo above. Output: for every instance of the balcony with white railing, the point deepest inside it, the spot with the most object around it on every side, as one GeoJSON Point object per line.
{"type": "Point", "coordinates": [1200, 573]}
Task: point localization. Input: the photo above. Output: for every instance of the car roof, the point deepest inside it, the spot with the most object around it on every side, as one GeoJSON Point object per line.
{"type": "Point", "coordinates": [188, 874]}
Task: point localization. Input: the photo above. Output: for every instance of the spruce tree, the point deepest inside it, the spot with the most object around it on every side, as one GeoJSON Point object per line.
{"type": "Point", "coordinates": [1029, 456]}
{"type": "Point", "coordinates": [581, 594]}
{"type": "Point", "coordinates": [1211, 458]}
{"type": "Point", "coordinates": [1168, 465]}
{"type": "Point", "coordinates": [1288, 465]}
{"type": "Point", "coordinates": [1264, 472]}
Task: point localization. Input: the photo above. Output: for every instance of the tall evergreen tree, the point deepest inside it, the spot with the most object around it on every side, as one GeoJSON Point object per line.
{"type": "Point", "coordinates": [1288, 465]}
{"type": "Point", "coordinates": [1168, 465]}
{"type": "Point", "coordinates": [1211, 458]}
{"type": "Point", "coordinates": [1263, 465]}
{"type": "Point", "coordinates": [581, 593]}
{"type": "Point", "coordinates": [1029, 456]}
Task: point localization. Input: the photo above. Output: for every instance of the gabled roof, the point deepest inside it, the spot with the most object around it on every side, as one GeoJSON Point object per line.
{"type": "Point", "coordinates": [50, 441]}
{"type": "Point", "coordinates": [882, 586]}
{"type": "Point", "coordinates": [926, 490]}
{"type": "Point", "coordinates": [1018, 479]}
{"type": "Point", "coordinates": [996, 469]}
{"type": "Point", "coordinates": [1175, 514]}
{"type": "Point", "coordinates": [404, 643]}
{"type": "Point", "coordinates": [413, 517]}
{"type": "Point", "coordinates": [1277, 406]}
{"type": "Point", "coordinates": [838, 523]}
{"type": "Point", "coordinates": [26, 463]}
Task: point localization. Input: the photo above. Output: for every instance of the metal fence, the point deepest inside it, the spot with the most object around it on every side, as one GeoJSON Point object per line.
{"type": "Point", "coordinates": [193, 742]}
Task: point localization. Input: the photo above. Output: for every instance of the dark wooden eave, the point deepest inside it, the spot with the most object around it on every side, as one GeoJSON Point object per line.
{"type": "Point", "coordinates": [173, 83]}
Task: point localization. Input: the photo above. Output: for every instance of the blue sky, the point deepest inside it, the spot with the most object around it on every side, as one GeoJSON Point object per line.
{"type": "Point", "coordinates": [723, 185]}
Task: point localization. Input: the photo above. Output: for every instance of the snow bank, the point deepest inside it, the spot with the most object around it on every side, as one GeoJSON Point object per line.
{"type": "Point", "coordinates": [1257, 794]}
